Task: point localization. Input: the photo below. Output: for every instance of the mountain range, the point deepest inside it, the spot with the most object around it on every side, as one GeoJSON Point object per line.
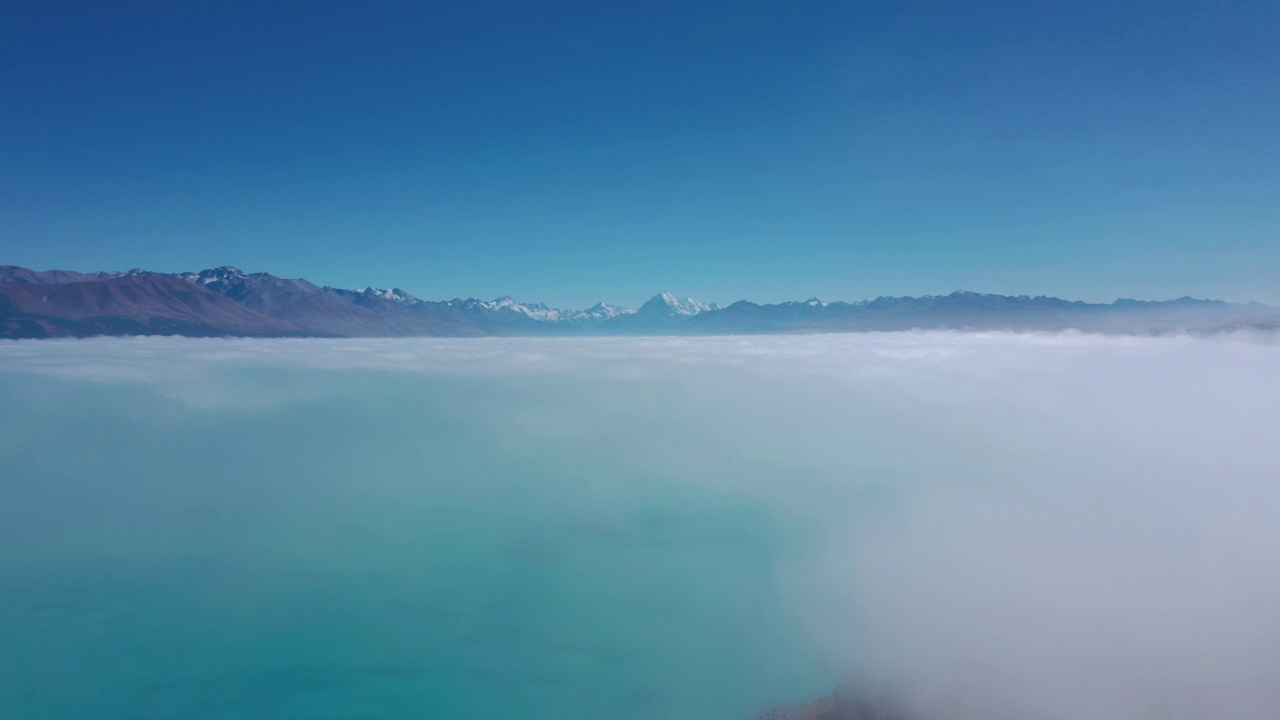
{"type": "Point", "coordinates": [226, 301]}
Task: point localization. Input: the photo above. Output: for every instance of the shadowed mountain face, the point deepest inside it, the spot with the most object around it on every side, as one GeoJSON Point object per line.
{"type": "Point", "coordinates": [305, 307]}
{"type": "Point", "coordinates": [135, 304]}
{"type": "Point", "coordinates": [229, 301]}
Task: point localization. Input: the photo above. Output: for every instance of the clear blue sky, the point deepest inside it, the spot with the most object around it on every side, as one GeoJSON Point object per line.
{"type": "Point", "coordinates": [585, 151]}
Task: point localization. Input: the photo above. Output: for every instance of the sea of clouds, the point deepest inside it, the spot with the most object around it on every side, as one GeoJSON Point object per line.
{"type": "Point", "coordinates": [1000, 525]}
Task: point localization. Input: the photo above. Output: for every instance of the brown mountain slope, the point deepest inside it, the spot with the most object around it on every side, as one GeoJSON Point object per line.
{"type": "Point", "coordinates": [145, 303]}
{"type": "Point", "coordinates": [330, 311]}
{"type": "Point", "coordinates": [15, 274]}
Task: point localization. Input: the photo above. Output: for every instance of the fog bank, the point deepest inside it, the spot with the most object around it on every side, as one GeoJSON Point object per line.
{"type": "Point", "coordinates": [1002, 525]}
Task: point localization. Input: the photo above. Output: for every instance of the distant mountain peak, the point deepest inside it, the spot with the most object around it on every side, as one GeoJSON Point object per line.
{"type": "Point", "coordinates": [667, 304]}
{"type": "Point", "coordinates": [224, 275]}
{"type": "Point", "coordinates": [228, 301]}
{"type": "Point", "coordinates": [606, 307]}
{"type": "Point", "coordinates": [390, 294]}
{"type": "Point", "coordinates": [599, 311]}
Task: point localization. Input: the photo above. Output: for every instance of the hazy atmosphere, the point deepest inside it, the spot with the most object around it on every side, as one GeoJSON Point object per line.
{"type": "Point", "coordinates": [639, 361]}
{"type": "Point", "coordinates": [1001, 525]}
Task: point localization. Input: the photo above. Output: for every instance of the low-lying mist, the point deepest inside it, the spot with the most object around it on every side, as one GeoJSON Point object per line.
{"type": "Point", "coordinates": [999, 526]}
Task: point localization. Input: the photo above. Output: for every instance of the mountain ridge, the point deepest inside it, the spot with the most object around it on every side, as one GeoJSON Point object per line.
{"type": "Point", "coordinates": [227, 301]}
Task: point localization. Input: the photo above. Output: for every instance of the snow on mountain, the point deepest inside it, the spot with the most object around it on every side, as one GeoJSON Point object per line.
{"type": "Point", "coordinates": [666, 304]}
{"type": "Point", "coordinates": [599, 311]}
{"type": "Point", "coordinates": [224, 276]}
{"type": "Point", "coordinates": [232, 280]}
{"type": "Point", "coordinates": [539, 311]}
{"type": "Point", "coordinates": [392, 295]}
{"type": "Point", "coordinates": [229, 301]}
{"type": "Point", "coordinates": [536, 311]}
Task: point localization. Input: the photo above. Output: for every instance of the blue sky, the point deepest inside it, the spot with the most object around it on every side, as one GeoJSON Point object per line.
{"type": "Point", "coordinates": [577, 152]}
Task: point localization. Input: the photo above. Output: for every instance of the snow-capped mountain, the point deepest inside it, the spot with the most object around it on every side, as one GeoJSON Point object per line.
{"type": "Point", "coordinates": [230, 301]}
{"type": "Point", "coordinates": [664, 303]}
{"type": "Point", "coordinates": [539, 311]}
{"type": "Point", "coordinates": [599, 311]}
{"type": "Point", "coordinates": [237, 284]}
{"type": "Point", "coordinates": [308, 307]}
{"type": "Point", "coordinates": [505, 304]}
{"type": "Point", "coordinates": [660, 314]}
{"type": "Point", "coordinates": [220, 277]}
{"type": "Point", "coordinates": [390, 295]}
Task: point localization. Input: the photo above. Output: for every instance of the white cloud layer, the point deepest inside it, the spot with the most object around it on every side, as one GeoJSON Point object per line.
{"type": "Point", "coordinates": [1011, 525]}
